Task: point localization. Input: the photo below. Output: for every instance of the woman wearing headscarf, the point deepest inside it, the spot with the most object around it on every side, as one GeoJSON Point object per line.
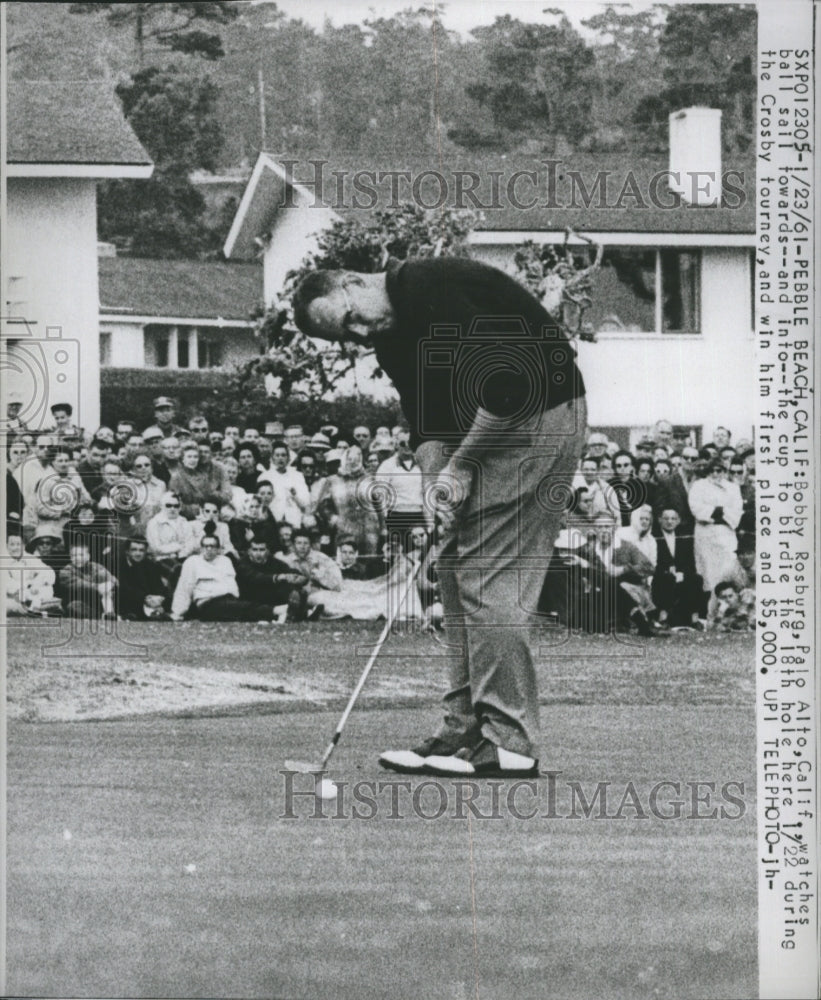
{"type": "Point", "coordinates": [347, 504]}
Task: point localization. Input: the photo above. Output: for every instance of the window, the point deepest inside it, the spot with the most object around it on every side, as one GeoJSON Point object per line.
{"type": "Point", "coordinates": [105, 349]}
{"type": "Point", "coordinates": [17, 297]}
{"type": "Point", "coordinates": [156, 347]}
{"type": "Point", "coordinates": [209, 350]}
{"type": "Point", "coordinates": [643, 290]}
{"type": "Point", "coordinates": [182, 348]}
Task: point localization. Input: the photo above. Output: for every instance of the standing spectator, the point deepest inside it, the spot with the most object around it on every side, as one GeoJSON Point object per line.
{"type": "Point", "coordinates": [170, 537]}
{"type": "Point", "coordinates": [164, 413]}
{"type": "Point", "coordinates": [727, 455]}
{"type": "Point", "coordinates": [627, 492]}
{"type": "Point", "coordinates": [319, 444]}
{"type": "Point", "coordinates": [14, 404]}
{"type": "Point", "coordinates": [294, 437]}
{"type": "Point", "coordinates": [207, 589]}
{"type": "Point", "coordinates": [746, 484]}
{"type": "Point", "coordinates": [291, 496]}
{"type": "Point", "coordinates": [197, 478]}
{"type": "Point", "coordinates": [148, 488]}
{"type": "Point", "coordinates": [716, 507]}
{"type": "Point", "coordinates": [721, 439]}
{"type": "Point", "coordinates": [198, 428]}
{"type": "Point", "coordinates": [249, 468]}
{"type": "Point", "coordinates": [153, 442]}
{"type": "Point", "coordinates": [29, 583]}
{"type": "Point", "coordinates": [590, 478]}
{"type": "Point", "coordinates": [597, 445]}
{"type": "Point", "coordinates": [66, 434]}
{"type": "Point", "coordinates": [689, 458]}
{"type": "Point", "coordinates": [284, 539]}
{"type": "Point", "coordinates": [306, 465]}
{"type": "Point", "coordinates": [347, 505]}
{"type": "Point", "coordinates": [28, 475]}
{"type": "Point", "coordinates": [232, 431]}
{"type": "Point", "coordinates": [58, 493]}
{"type": "Point", "coordinates": [677, 589]}
{"type": "Point", "coordinates": [400, 485]}
{"type": "Point", "coordinates": [239, 496]}
{"type": "Point", "coordinates": [663, 434]}
{"type": "Point", "coordinates": [141, 593]}
{"type": "Point", "coordinates": [362, 437]}
{"type": "Point", "coordinates": [124, 431]}
{"type": "Point", "coordinates": [87, 588]}
{"type": "Point", "coordinates": [91, 468]}
{"type": "Point", "coordinates": [645, 474]}
{"type": "Point", "coordinates": [251, 435]}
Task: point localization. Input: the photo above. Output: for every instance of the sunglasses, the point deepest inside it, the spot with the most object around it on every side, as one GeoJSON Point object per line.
{"type": "Point", "coordinates": [172, 505]}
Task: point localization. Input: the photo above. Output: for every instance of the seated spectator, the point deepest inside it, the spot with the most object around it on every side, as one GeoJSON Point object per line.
{"type": "Point", "coordinates": [170, 537]}
{"type": "Point", "coordinates": [284, 538]}
{"type": "Point", "coordinates": [86, 588]}
{"type": "Point", "coordinates": [29, 583]}
{"type": "Point", "coordinates": [97, 529]}
{"type": "Point", "coordinates": [582, 511]}
{"type": "Point", "coordinates": [198, 428]}
{"type": "Point", "coordinates": [207, 588]}
{"type": "Point", "coordinates": [47, 545]}
{"type": "Point", "coordinates": [671, 494]}
{"type": "Point", "coordinates": [347, 558]}
{"type": "Point", "coordinates": [141, 593]}
{"type": "Point", "coordinates": [677, 589]}
{"type": "Point", "coordinates": [322, 572]}
{"type": "Point", "coordinates": [209, 514]}
{"type": "Point", "coordinates": [716, 507]}
{"type": "Point", "coordinates": [733, 610]}
{"type": "Point", "coordinates": [264, 579]}
{"type": "Point", "coordinates": [635, 559]}
{"type": "Point", "coordinates": [258, 519]}
{"type": "Point", "coordinates": [197, 478]}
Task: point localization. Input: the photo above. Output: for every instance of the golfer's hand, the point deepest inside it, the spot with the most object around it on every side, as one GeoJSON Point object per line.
{"type": "Point", "coordinates": [450, 492]}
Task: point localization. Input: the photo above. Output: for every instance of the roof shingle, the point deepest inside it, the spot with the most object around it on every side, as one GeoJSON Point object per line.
{"type": "Point", "coordinates": [180, 288]}
{"type": "Point", "coordinates": [77, 122]}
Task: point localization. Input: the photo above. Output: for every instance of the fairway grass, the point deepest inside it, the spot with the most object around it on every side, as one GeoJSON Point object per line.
{"type": "Point", "coordinates": [149, 853]}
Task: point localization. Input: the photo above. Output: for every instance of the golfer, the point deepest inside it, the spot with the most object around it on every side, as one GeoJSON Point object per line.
{"type": "Point", "coordinates": [495, 404]}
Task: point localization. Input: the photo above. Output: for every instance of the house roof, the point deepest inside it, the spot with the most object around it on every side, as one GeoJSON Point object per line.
{"type": "Point", "coordinates": [76, 123]}
{"type": "Point", "coordinates": [180, 288]}
{"type": "Point", "coordinates": [514, 193]}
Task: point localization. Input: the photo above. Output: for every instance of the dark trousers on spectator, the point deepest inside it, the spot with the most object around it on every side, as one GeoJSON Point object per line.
{"type": "Point", "coordinates": [680, 600]}
{"type": "Point", "coordinates": [399, 524]}
{"type": "Point", "coordinates": [83, 602]}
{"type": "Point", "coordinates": [231, 609]}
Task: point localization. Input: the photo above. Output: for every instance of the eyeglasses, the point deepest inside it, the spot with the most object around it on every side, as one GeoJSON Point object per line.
{"type": "Point", "coordinates": [171, 506]}
{"type": "Point", "coordinates": [142, 465]}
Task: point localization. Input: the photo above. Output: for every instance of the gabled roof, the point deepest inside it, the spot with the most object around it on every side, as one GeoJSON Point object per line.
{"type": "Point", "coordinates": [73, 128]}
{"type": "Point", "coordinates": [180, 289]}
{"type": "Point", "coordinates": [633, 195]}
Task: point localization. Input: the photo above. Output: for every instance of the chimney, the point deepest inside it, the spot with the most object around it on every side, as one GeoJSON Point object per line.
{"type": "Point", "coordinates": [695, 155]}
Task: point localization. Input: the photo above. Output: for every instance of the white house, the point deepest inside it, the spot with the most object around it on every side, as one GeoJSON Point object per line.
{"type": "Point", "coordinates": [62, 138]}
{"type": "Point", "coordinates": [672, 304]}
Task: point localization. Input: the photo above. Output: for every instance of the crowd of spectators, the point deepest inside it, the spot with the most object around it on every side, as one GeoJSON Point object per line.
{"type": "Point", "coordinates": [180, 520]}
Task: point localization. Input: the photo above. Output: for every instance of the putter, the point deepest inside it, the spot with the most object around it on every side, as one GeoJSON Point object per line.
{"type": "Point", "coordinates": [307, 768]}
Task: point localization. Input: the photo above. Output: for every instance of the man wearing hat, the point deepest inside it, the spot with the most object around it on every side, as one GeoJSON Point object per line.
{"type": "Point", "coordinates": [14, 404]}
{"type": "Point", "coordinates": [68, 435]}
{"type": "Point", "coordinates": [320, 443]}
{"type": "Point", "coordinates": [597, 444]}
{"type": "Point", "coordinates": [47, 544]}
{"type": "Point", "coordinates": [164, 413]}
{"type": "Point", "coordinates": [28, 581]}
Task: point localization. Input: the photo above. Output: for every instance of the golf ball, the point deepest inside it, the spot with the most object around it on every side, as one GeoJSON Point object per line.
{"type": "Point", "coordinates": [326, 789]}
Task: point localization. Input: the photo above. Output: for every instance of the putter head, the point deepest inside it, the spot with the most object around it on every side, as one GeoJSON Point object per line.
{"type": "Point", "coordinates": [304, 767]}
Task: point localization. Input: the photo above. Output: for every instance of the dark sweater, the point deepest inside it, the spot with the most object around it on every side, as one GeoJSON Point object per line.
{"type": "Point", "coordinates": [500, 349]}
